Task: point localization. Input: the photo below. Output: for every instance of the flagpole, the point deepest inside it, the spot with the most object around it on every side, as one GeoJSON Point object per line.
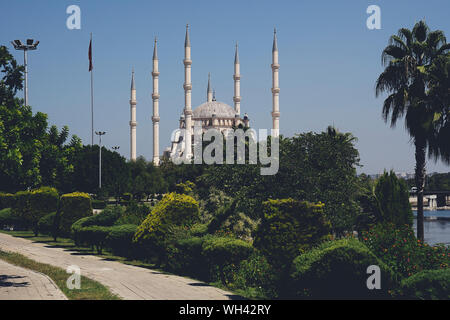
{"type": "Point", "coordinates": [92, 101]}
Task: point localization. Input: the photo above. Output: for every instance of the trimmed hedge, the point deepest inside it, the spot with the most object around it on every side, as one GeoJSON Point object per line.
{"type": "Point", "coordinates": [223, 251]}
{"type": "Point", "coordinates": [427, 285]}
{"type": "Point", "coordinates": [22, 207]}
{"type": "Point", "coordinates": [9, 219]}
{"type": "Point", "coordinates": [73, 206]}
{"type": "Point", "coordinates": [6, 200]}
{"type": "Point", "coordinates": [120, 240]}
{"type": "Point", "coordinates": [289, 227]}
{"type": "Point", "coordinates": [173, 210]}
{"type": "Point", "coordinates": [107, 217]}
{"type": "Point", "coordinates": [338, 270]}
{"type": "Point", "coordinates": [93, 236]}
{"type": "Point", "coordinates": [42, 201]}
{"type": "Point", "coordinates": [186, 258]}
{"type": "Point", "coordinates": [47, 225]}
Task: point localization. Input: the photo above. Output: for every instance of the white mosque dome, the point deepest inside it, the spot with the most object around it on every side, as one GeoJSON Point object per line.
{"type": "Point", "coordinates": [217, 108]}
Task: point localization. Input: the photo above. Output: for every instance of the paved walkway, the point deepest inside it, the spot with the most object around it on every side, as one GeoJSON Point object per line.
{"type": "Point", "coordinates": [17, 283]}
{"type": "Point", "coordinates": [128, 282]}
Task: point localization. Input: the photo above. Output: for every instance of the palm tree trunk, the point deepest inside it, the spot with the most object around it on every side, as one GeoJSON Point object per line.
{"type": "Point", "coordinates": [420, 184]}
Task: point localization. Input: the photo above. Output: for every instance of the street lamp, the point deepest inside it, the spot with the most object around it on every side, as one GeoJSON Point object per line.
{"type": "Point", "coordinates": [100, 134]}
{"type": "Point", "coordinates": [115, 148]}
{"type": "Point", "coordinates": [30, 45]}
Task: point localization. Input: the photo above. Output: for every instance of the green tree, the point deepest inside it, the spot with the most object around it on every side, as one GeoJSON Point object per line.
{"type": "Point", "coordinates": [406, 79]}
{"type": "Point", "coordinates": [393, 197]}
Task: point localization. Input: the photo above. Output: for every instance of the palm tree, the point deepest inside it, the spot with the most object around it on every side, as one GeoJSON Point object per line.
{"type": "Point", "coordinates": [408, 59]}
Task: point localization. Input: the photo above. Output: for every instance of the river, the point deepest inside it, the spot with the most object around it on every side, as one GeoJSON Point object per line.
{"type": "Point", "coordinates": [436, 231]}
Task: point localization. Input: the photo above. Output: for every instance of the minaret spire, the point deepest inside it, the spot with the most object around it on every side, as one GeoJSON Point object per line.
{"type": "Point", "coordinates": [237, 82]}
{"type": "Point", "coordinates": [209, 93]}
{"type": "Point", "coordinates": [155, 98]}
{"type": "Point", "coordinates": [133, 122]}
{"type": "Point", "coordinates": [187, 95]}
{"type": "Point", "coordinates": [275, 87]}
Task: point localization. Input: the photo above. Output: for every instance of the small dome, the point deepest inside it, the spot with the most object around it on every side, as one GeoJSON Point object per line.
{"type": "Point", "coordinates": [219, 109]}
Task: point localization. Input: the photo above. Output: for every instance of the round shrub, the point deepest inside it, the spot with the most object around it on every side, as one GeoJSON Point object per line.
{"type": "Point", "coordinates": [94, 236]}
{"type": "Point", "coordinates": [224, 251]}
{"type": "Point", "coordinates": [257, 277]}
{"type": "Point", "coordinates": [75, 230]}
{"type": "Point", "coordinates": [288, 228]}
{"type": "Point", "coordinates": [47, 225]}
{"type": "Point", "coordinates": [338, 270]}
{"type": "Point", "coordinates": [120, 240]}
{"type": "Point", "coordinates": [427, 285]}
{"type": "Point", "coordinates": [42, 201]}
{"type": "Point", "coordinates": [185, 258]}
{"type": "Point", "coordinates": [173, 210]}
{"type": "Point", "coordinates": [73, 206]}
{"type": "Point", "coordinates": [107, 217]}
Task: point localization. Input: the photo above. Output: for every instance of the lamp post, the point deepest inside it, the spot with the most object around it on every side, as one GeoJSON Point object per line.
{"type": "Point", "coordinates": [115, 148]}
{"type": "Point", "coordinates": [30, 45]}
{"type": "Point", "coordinates": [100, 134]}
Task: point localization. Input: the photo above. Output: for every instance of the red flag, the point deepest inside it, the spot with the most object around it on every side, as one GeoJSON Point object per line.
{"type": "Point", "coordinates": [90, 56]}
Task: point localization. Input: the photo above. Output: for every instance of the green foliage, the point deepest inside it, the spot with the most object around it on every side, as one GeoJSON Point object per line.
{"type": "Point", "coordinates": [47, 225]}
{"type": "Point", "coordinates": [120, 240]}
{"type": "Point", "coordinates": [257, 277]}
{"type": "Point", "coordinates": [198, 230]}
{"type": "Point", "coordinates": [185, 188]}
{"type": "Point", "coordinates": [42, 201]}
{"type": "Point", "coordinates": [402, 252]}
{"type": "Point", "coordinates": [185, 257]}
{"type": "Point", "coordinates": [338, 270]}
{"type": "Point", "coordinates": [393, 196]}
{"type": "Point", "coordinates": [222, 252]}
{"type": "Point", "coordinates": [22, 207]}
{"type": "Point", "coordinates": [6, 200]}
{"type": "Point", "coordinates": [173, 210]}
{"type": "Point", "coordinates": [73, 206]}
{"type": "Point", "coordinates": [107, 217]}
{"type": "Point", "coordinates": [290, 227]}
{"type": "Point", "coordinates": [427, 285]}
{"type": "Point", "coordinates": [135, 213]}
{"type": "Point", "coordinates": [98, 204]}
{"type": "Point", "coordinates": [9, 219]}
{"type": "Point", "coordinates": [94, 236]}
{"type": "Point", "coordinates": [313, 167]}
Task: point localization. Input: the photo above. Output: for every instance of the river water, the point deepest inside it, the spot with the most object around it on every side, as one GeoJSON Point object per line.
{"type": "Point", "coordinates": [436, 231]}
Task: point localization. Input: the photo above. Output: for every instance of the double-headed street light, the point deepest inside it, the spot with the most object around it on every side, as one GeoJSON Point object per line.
{"type": "Point", "coordinates": [100, 134]}
{"type": "Point", "coordinates": [30, 45]}
{"type": "Point", "coordinates": [115, 148]}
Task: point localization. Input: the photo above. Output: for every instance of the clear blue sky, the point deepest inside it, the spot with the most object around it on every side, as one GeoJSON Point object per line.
{"type": "Point", "coordinates": [329, 64]}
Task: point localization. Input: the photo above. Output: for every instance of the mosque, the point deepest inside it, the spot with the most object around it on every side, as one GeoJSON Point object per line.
{"type": "Point", "coordinates": [210, 114]}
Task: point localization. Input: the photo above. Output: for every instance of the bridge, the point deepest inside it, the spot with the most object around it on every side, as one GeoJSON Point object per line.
{"type": "Point", "coordinates": [432, 199]}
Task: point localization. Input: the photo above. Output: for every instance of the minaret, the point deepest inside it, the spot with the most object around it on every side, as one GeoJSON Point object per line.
{"type": "Point", "coordinates": [155, 97]}
{"type": "Point", "coordinates": [237, 83]}
{"type": "Point", "coordinates": [209, 94]}
{"type": "Point", "coordinates": [187, 94]}
{"type": "Point", "coordinates": [275, 87]}
{"type": "Point", "coordinates": [133, 122]}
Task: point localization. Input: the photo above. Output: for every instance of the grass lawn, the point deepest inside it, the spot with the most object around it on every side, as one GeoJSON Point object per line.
{"type": "Point", "coordinates": [90, 289]}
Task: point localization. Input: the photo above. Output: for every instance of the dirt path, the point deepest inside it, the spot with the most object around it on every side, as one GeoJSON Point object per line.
{"type": "Point", "coordinates": [17, 283]}
{"type": "Point", "coordinates": [128, 282]}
